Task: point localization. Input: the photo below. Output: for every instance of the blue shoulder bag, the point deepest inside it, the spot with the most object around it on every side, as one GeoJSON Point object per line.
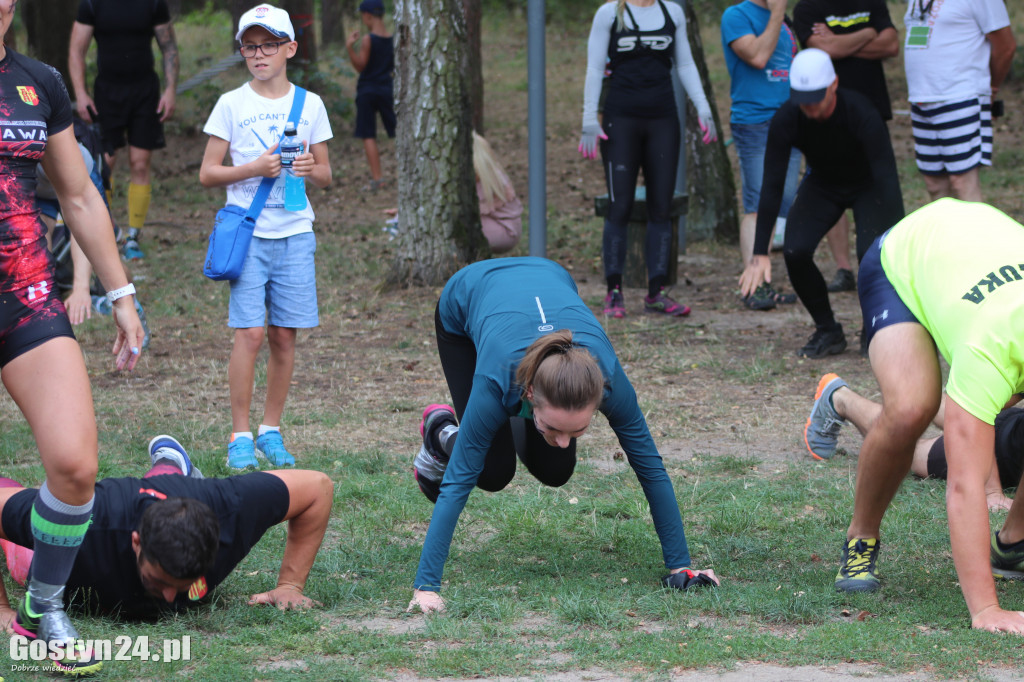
{"type": "Point", "coordinates": [233, 226]}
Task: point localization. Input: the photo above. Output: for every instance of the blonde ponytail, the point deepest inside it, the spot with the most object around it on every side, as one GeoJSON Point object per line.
{"type": "Point", "coordinates": [620, 8]}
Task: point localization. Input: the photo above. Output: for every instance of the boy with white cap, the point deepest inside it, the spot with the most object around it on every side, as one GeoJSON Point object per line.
{"type": "Point", "coordinates": [847, 147]}
{"type": "Point", "coordinates": [278, 280]}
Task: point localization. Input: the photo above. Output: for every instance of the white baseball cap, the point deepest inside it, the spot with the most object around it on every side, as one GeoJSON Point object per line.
{"type": "Point", "coordinates": [810, 75]}
{"type": "Point", "coordinates": [272, 18]}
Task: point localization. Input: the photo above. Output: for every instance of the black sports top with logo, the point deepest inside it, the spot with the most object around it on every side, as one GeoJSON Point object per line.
{"type": "Point", "coordinates": [33, 105]}
{"type": "Point", "coordinates": [641, 68]}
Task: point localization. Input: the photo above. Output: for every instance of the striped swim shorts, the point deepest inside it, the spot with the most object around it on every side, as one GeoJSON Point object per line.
{"type": "Point", "coordinates": [952, 137]}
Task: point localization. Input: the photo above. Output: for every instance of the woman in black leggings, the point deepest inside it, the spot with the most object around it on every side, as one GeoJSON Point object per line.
{"type": "Point", "coordinates": [527, 365]}
{"type": "Point", "coordinates": [639, 41]}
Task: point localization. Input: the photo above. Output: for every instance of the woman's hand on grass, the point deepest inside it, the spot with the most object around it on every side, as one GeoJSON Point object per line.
{"type": "Point", "coordinates": [428, 602]}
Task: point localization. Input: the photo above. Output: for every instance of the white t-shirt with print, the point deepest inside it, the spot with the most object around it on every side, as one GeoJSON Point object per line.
{"type": "Point", "coordinates": [252, 123]}
{"type": "Point", "coordinates": [946, 53]}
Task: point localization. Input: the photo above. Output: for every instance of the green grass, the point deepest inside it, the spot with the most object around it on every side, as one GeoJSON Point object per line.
{"type": "Point", "coordinates": [544, 580]}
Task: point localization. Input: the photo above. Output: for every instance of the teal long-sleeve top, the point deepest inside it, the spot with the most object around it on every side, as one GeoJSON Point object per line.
{"type": "Point", "coordinates": [503, 305]}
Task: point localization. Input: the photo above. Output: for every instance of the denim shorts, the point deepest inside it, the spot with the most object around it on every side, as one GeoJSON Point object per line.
{"type": "Point", "coordinates": [750, 140]}
{"type": "Point", "coordinates": [277, 284]}
{"type": "Point", "coordinates": [880, 304]}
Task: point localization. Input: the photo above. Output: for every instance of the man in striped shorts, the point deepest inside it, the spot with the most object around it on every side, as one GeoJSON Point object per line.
{"type": "Point", "coordinates": [956, 54]}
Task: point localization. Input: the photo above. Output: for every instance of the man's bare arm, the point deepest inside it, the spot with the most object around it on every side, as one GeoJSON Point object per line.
{"type": "Point", "coordinates": [1003, 47]}
{"type": "Point", "coordinates": [311, 494]}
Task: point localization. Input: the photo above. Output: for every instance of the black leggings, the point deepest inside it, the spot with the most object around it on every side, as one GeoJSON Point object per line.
{"type": "Point", "coordinates": [1009, 428]}
{"type": "Point", "coordinates": [632, 144]}
{"type": "Point", "coordinates": [549, 464]}
{"type": "Point", "coordinates": [815, 210]}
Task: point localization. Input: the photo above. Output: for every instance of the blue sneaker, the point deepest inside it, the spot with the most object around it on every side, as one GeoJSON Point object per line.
{"type": "Point", "coordinates": [821, 433]}
{"type": "Point", "coordinates": [132, 250]}
{"type": "Point", "coordinates": [242, 454]}
{"type": "Point", "coordinates": [271, 445]}
{"type": "Point", "coordinates": [166, 447]}
{"type": "Point", "coordinates": [101, 305]}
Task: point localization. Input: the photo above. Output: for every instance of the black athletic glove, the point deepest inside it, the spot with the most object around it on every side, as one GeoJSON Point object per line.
{"type": "Point", "coordinates": [686, 579]}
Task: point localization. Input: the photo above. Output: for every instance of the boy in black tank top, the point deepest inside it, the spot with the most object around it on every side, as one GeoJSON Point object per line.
{"type": "Point", "coordinates": [373, 56]}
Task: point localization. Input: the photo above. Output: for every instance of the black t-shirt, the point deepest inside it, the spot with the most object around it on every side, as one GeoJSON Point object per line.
{"type": "Point", "coordinates": [106, 574]}
{"type": "Point", "coordinates": [640, 62]}
{"type": "Point", "coordinates": [124, 35]}
{"type": "Point", "coordinates": [866, 76]}
{"type": "Point", "coordinates": [34, 104]}
{"type": "Point", "coordinates": [847, 151]}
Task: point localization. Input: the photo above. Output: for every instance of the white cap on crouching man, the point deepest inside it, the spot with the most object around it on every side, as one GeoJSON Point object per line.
{"type": "Point", "coordinates": [810, 75]}
{"type": "Point", "coordinates": [272, 18]}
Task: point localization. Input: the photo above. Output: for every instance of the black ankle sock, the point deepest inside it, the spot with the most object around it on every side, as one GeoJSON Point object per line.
{"type": "Point", "coordinates": [614, 282]}
{"type": "Point", "coordinates": [655, 285]}
{"type": "Point", "coordinates": [435, 433]}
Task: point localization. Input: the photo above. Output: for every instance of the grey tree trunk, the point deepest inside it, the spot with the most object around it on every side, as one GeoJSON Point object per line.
{"type": "Point", "coordinates": [48, 27]}
{"type": "Point", "coordinates": [438, 213]}
{"type": "Point", "coordinates": [712, 208]}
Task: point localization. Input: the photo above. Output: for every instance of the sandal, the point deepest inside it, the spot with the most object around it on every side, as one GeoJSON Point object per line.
{"type": "Point", "coordinates": [766, 298]}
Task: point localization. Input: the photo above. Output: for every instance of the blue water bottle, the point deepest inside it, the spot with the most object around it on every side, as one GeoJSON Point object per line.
{"type": "Point", "coordinates": [294, 186]}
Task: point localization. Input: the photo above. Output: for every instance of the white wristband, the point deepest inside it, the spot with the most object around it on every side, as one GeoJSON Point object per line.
{"type": "Point", "coordinates": [121, 293]}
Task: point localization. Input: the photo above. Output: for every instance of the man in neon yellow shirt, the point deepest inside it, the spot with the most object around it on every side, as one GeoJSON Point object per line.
{"type": "Point", "coordinates": [924, 285]}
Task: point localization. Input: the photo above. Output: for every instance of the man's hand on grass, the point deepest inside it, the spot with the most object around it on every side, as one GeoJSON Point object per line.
{"type": "Point", "coordinates": [286, 598]}
{"type": "Point", "coordinates": [995, 619]}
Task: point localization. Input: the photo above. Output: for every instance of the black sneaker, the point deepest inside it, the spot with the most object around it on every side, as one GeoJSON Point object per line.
{"type": "Point", "coordinates": [824, 341]}
{"type": "Point", "coordinates": [1007, 561]}
{"type": "Point", "coordinates": [843, 281]}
